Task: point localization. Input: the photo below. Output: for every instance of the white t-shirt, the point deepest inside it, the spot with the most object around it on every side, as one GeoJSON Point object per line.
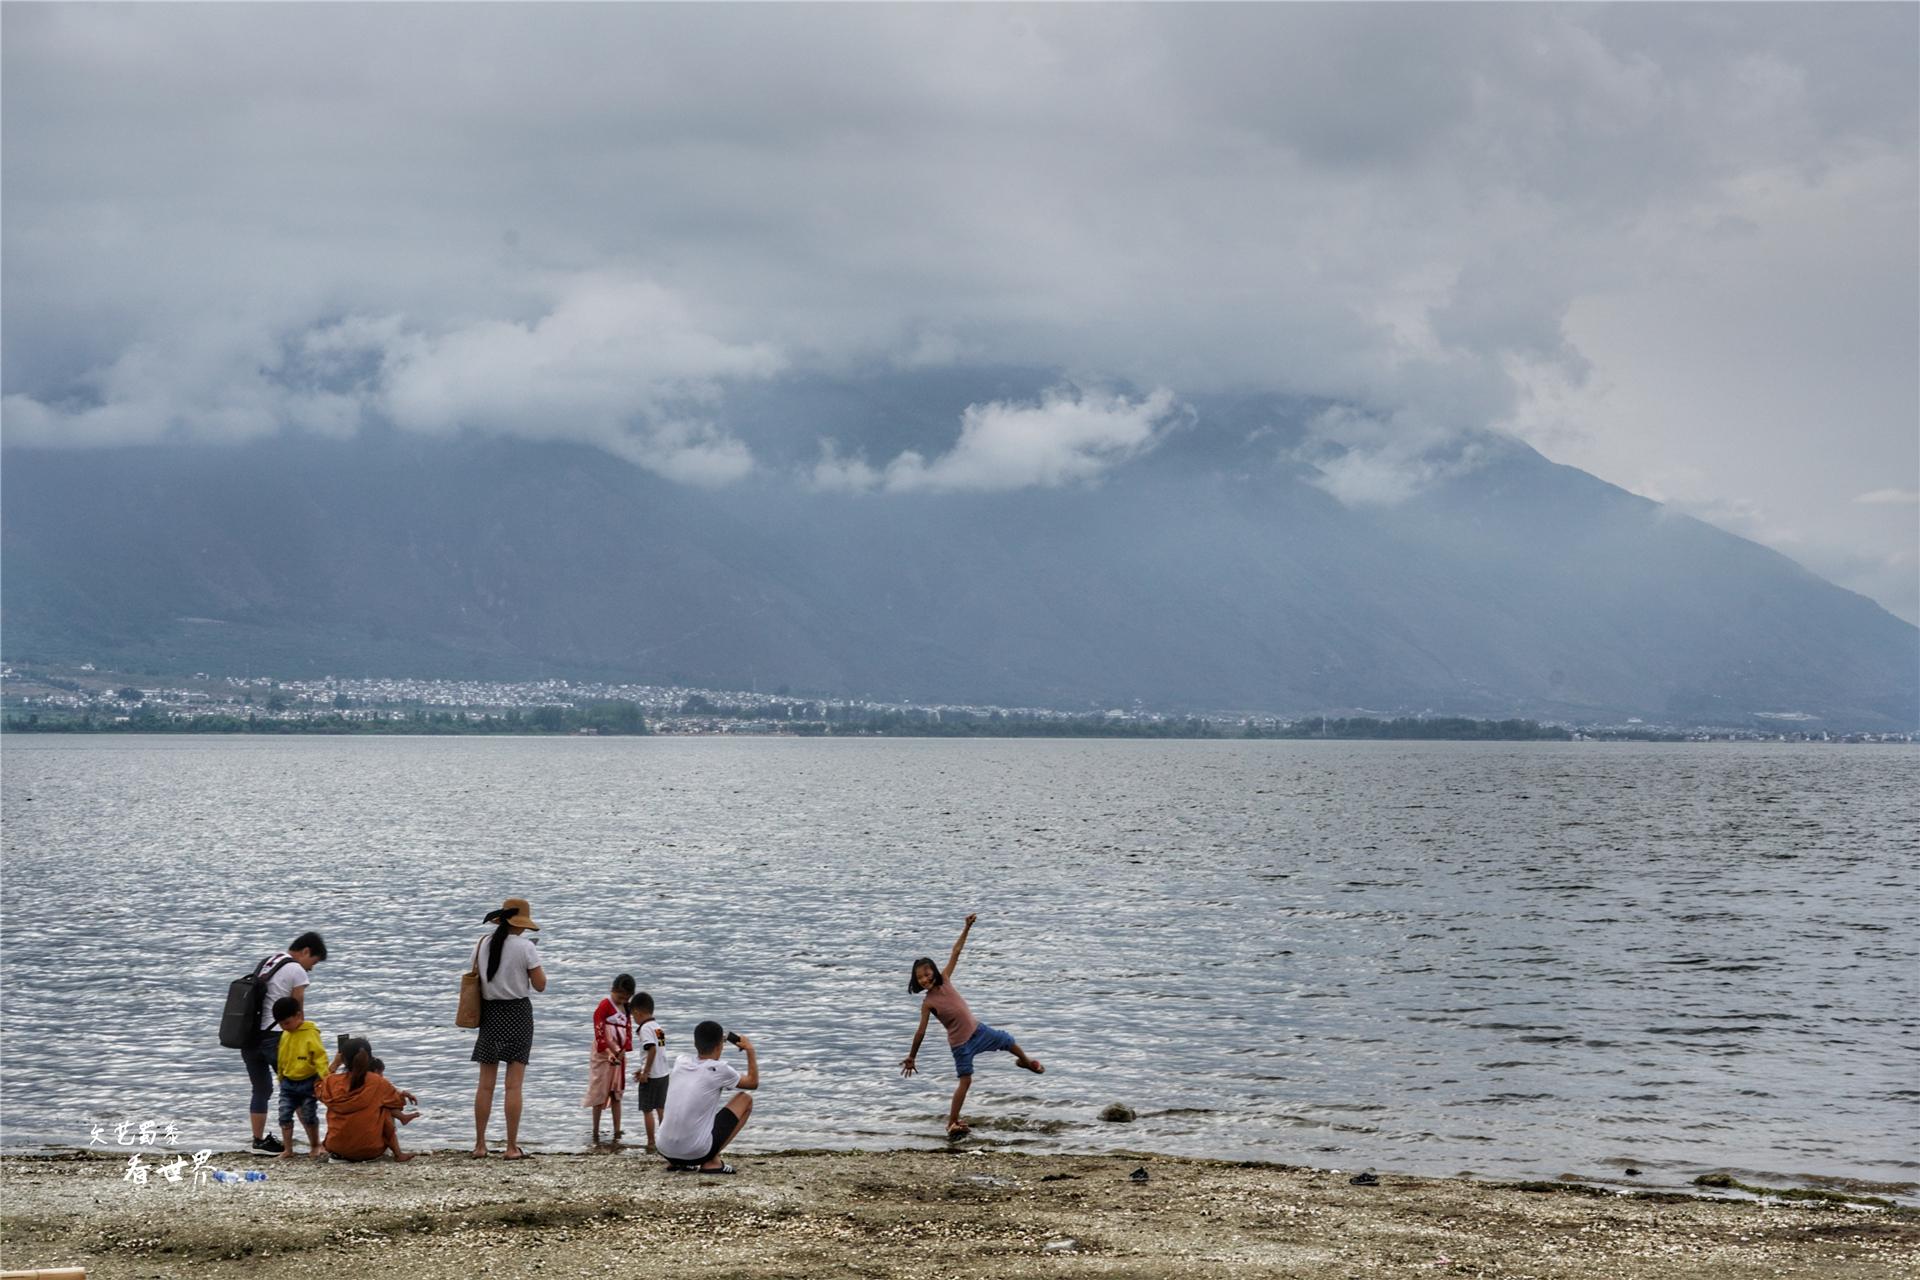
{"type": "Point", "coordinates": [648, 1034]}
{"type": "Point", "coordinates": [518, 958]}
{"type": "Point", "coordinates": [693, 1096]}
{"type": "Point", "coordinates": [284, 983]}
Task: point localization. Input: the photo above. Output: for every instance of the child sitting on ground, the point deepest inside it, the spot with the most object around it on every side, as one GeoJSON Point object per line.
{"type": "Point", "coordinates": [607, 1067]}
{"type": "Point", "coordinates": [649, 1065]}
{"type": "Point", "coordinates": [362, 1107]}
{"type": "Point", "coordinates": [303, 1061]}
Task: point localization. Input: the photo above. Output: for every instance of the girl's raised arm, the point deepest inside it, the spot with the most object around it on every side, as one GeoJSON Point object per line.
{"type": "Point", "coordinates": [953, 961]}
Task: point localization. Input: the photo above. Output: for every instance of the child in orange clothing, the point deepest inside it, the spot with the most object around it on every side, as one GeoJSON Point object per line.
{"type": "Point", "coordinates": [361, 1109]}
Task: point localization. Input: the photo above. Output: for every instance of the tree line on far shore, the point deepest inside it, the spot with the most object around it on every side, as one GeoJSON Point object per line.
{"type": "Point", "coordinates": [618, 718]}
{"type": "Point", "coordinates": [627, 718]}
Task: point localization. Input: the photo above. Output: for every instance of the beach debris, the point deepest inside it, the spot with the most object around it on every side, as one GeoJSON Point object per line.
{"type": "Point", "coordinates": [1067, 1245]}
{"type": "Point", "coordinates": [987, 1180]}
{"type": "Point", "coordinates": [1731, 1183]}
{"type": "Point", "coordinates": [1060, 1177]}
{"type": "Point", "coordinates": [1139, 1175]}
{"type": "Point", "coordinates": [231, 1176]}
{"type": "Point", "coordinates": [1117, 1113]}
{"type": "Point", "coordinates": [1367, 1179]}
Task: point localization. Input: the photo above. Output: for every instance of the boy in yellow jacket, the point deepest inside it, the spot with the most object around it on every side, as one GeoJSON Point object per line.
{"type": "Point", "coordinates": [303, 1060]}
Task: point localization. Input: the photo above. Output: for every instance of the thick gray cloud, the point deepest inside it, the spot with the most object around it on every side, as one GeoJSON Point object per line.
{"type": "Point", "coordinates": [1671, 244]}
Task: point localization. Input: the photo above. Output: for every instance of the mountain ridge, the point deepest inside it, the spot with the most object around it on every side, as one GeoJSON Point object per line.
{"type": "Point", "coordinates": [1520, 587]}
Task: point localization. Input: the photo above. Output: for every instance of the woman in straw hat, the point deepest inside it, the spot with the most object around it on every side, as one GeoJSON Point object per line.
{"type": "Point", "coordinates": [510, 973]}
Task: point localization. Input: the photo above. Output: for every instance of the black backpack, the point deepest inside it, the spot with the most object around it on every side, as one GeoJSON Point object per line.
{"type": "Point", "coordinates": [240, 1019]}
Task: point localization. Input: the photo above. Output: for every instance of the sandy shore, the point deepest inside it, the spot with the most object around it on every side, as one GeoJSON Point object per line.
{"type": "Point", "coordinates": [925, 1214]}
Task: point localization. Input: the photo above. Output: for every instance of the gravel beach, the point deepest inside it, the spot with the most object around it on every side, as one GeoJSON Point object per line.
{"type": "Point", "coordinates": [926, 1214]}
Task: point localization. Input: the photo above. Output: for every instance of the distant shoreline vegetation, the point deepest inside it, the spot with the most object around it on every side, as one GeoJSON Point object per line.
{"type": "Point", "coordinates": [615, 719]}
{"type": "Point", "coordinates": [85, 699]}
{"type": "Point", "coordinates": [627, 719]}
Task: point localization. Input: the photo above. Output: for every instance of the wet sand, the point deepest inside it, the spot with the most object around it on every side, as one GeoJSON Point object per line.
{"type": "Point", "coordinates": [925, 1214]}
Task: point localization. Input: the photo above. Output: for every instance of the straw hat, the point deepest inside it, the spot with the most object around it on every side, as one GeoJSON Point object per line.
{"type": "Point", "coordinates": [517, 912]}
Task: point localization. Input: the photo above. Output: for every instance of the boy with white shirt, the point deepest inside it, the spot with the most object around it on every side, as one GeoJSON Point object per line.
{"type": "Point", "coordinates": [697, 1128]}
{"type": "Point", "coordinates": [649, 1063]}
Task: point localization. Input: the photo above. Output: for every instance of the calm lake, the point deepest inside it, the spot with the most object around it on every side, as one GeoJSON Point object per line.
{"type": "Point", "coordinates": [1525, 959]}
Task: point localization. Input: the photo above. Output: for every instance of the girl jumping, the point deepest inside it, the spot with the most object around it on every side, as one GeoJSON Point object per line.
{"type": "Point", "coordinates": [966, 1035]}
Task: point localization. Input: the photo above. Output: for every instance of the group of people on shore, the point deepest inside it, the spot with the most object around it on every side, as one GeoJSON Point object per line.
{"type": "Point", "coordinates": [364, 1110]}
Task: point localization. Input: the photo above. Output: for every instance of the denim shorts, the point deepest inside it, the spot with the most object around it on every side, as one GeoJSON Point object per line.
{"type": "Point", "coordinates": [984, 1038]}
{"type": "Point", "coordinates": [297, 1095]}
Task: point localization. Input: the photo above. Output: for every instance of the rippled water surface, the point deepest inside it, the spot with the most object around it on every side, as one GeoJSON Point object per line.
{"type": "Point", "coordinates": [1524, 959]}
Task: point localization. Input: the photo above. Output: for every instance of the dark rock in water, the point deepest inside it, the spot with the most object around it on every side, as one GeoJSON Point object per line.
{"type": "Point", "coordinates": [1633, 1173]}
{"type": "Point", "coordinates": [1117, 1113]}
{"type": "Point", "coordinates": [1139, 1175]}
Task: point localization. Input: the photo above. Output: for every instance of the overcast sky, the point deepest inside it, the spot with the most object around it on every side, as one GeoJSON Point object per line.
{"type": "Point", "coordinates": [1672, 245]}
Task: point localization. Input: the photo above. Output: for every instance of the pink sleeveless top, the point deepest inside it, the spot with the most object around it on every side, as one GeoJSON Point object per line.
{"type": "Point", "coordinates": [944, 1003]}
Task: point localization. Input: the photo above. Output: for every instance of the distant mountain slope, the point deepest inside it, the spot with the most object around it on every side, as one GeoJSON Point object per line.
{"type": "Point", "coordinates": [1520, 588]}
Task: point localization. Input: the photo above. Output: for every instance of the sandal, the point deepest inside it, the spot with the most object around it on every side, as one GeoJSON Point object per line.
{"type": "Point", "coordinates": [723, 1169]}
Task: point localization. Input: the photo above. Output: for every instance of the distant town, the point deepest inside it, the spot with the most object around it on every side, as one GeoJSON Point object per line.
{"type": "Point", "coordinates": [87, 699]}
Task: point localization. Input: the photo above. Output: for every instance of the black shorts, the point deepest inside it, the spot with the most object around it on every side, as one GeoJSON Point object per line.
{"type": "Point", "coordinates": [651, 1095]}
{"type": "Point", "coordinates": [724, 1123]}
{"type": "Point", "coordinates": [506, 1031]}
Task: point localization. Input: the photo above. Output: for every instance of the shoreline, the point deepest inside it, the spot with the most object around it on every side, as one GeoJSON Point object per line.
{"type": "Point", "coordinates": [1702, 1182]}
{"type": "Point", "coordinates": [965, 1212]}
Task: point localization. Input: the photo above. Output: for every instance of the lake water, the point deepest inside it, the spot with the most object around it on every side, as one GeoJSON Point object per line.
{"type": "Point", "coordinates": [1521, 959]}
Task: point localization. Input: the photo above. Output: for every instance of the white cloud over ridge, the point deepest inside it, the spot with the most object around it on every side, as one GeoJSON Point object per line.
{"type": "Point", "coordinates": [613, 362]}
{"type": "Point", "coordinates": [616, 363]}
{"type": "Point", "coordinates": [1365, 460]}
{"type": "Point", "coordinates": [1070, 436]}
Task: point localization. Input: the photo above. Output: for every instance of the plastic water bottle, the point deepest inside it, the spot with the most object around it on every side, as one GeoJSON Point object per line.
{"type": "Point", "coordinates": [222, 1175]}
{"type": "Point", "coordinates": [256, 1175]}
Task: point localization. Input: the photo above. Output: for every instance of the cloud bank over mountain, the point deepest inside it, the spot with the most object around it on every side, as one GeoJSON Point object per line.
{"type": "Point", "coordinates": [1672, 245]}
